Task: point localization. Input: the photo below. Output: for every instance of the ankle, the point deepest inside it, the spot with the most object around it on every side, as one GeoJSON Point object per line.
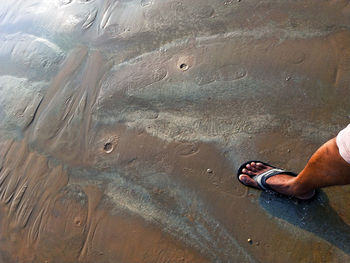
{"type": "Point", "coordinates": [297, 188]}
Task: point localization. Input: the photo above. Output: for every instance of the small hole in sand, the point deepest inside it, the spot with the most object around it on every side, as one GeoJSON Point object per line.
{"type": "Point", "coordinates": [183, 67]}
{"type": "Point", "coordinates": [77, 221]}
{"type": "Point", "coordinates": [108, 147]}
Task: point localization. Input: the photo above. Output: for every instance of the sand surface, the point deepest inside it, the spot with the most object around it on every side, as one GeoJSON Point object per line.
{"type": "Point", "coordinates": [122, 125]}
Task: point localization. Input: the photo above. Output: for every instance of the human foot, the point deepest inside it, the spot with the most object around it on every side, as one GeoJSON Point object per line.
{"type": "Point", "coordinates": [266, 177]}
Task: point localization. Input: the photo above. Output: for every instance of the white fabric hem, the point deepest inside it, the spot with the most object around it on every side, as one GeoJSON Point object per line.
{"type": "Point", "coordinates": [343, 143]}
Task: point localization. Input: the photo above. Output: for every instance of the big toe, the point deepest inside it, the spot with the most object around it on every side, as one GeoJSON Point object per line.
{"type": "Point", "coordinates": [247, 180]}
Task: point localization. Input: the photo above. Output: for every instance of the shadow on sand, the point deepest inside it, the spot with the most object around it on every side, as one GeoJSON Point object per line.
{"type": "Point", "coordinates": [315, 216]}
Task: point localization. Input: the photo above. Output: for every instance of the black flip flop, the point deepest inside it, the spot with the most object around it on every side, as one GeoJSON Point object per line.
{"type": "Point", "coordinates": [261, 178]}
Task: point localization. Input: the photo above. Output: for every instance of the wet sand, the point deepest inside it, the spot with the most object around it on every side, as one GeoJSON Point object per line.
{"type": "Point", "coordinates": [123, 123]}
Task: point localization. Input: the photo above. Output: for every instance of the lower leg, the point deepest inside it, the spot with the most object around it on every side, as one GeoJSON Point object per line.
{"type": "Point", "coordinates": [325, 168]}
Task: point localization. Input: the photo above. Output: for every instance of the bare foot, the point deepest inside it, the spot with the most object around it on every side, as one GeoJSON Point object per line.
{"type": "Point", "coordinates": [281, 183]}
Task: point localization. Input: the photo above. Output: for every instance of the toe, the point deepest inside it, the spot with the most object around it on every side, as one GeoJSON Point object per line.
{"type": "Point", "coordinates": [251, 173]}
{"type": "Point", "coordinates": [247, 180]}
{"type": "Point", "coordinates": [260, 166]}
{"type": "Point", "coordinates": [253, 167]}
{"type": "Point", "coordinates": [250, 167]}
{"type": "Point", "coordinates": [250, 170]}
